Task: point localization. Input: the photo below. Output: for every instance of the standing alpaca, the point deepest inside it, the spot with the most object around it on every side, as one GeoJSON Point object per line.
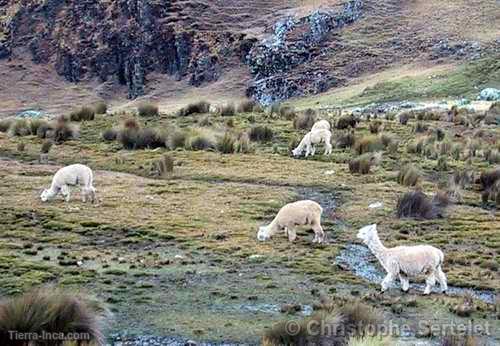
{"type": "Point", "coordinates": [292, 215]}
{"type": "Point", "coordinates": [311, 139]}
{"type": "Point", "coordinates": [71, 176]}
{"type": "Point", "coordinates": [406, 261]}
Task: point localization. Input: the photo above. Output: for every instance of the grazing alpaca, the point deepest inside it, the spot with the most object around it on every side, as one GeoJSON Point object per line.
{"type": "Point", "coordinates": [321, 125]}
{"type": "Point", "coordinates": [311, 139]}
{"type": "Point", "coordinates": [292, 215]}
{"type": "Point", "coordinates": [71, 176]}
{"type": "Point", "coordinates": [406, 261]}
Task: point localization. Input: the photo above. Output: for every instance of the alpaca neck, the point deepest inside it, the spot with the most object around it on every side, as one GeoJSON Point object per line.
{"type": "Point", "coordinates": [273, 227]}
{"type": "Point", "coordinates": [377, 248]}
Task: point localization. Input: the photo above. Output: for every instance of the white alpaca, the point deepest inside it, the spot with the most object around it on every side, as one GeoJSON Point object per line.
{"type": "Point", "coordinates": [311, 139]}
{"type": "Point", "coordinates": [292, 215]}
{"type": "Point", "coordinates": [71, 176]}
{"type": "Point", "coordinates": [321, 125]}
{"type": "Point", "coordinates": [406, 261]}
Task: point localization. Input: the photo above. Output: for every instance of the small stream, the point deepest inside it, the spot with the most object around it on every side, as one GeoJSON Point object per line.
{"type": "Point", "coordinates": [359, 260]}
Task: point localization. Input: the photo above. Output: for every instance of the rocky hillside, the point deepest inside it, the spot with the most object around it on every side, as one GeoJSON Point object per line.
{"type": "Point", "coordinates": [285, 49]}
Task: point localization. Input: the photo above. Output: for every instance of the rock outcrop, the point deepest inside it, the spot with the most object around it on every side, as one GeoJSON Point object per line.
{"type": "Point", "coordinates": [295, 41]}
{"type": "Point", "coordinates": [122, 40]}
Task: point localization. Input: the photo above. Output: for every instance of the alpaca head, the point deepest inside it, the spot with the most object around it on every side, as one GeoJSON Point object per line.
{"type": "Point", "coordinates": [368, 233]}
{"type": "Point", "coordinates": [297, 151]}
{"type": "Point", "coordinates": [46, 195]}
{"type": "Point", "coordinates": [263, 233]}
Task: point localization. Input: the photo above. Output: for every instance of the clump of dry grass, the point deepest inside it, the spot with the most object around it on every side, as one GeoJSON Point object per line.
{"type": "Point", "coordinates": [367, 144]}
{"type": "Point", "coordinates": [261, 133]}
{"type": "Point", "coordinates": [82, 114]}
{"type": "Point", "coordinates": [20, 128]}
{"type": "Point", "coordinates": [305, 121]}
{"type": "Point", "coordinates": [164, 166]}
{"type": "Point", "coordinates": [420, 127]}
{"type": "Point", "coordinates": [201, 139]}
{"type": "Point", "coordinates": [442, 163]}
{"type": "Point", "coordinates": [53, 311]}
{"type": "Point", "coordinates": [404, 117]}
{"type": "Point", "coordinates": [246, 106]}
{"type": "Point", "coordinates": [287, 112]}
{"type": "Point", "coordinates": [375, 126]}
{"type": "Point", "coordinates": [100, 107]}
{"type": "Point", "coordinates": [147, 109]}
{"type": "Point", "coordinates": [242, 144]}
{"type": "Point", "coordinates": [36, 124]}
{"type": "Point", "coordinates": [109, 135]}
{"type": "Point", "coordinates": [333, 326]}
{"type": "Point", "coordinates": [409, 175]}
{"type": "Point", "coordinates": [363, 163]}
{"type": "Point", "coordinates": [5, 124]}
{"type": "Point", "coordinates": [177, 139]}
{"type": "Point", "coordinates": [345, 140]}
{"type": "Point", "coordinates": [133, 137]}
{"type": "Point", "coordinates": [460, 340]}
{"type": "Point", "coordinates": [46, 146]}
{"type": "Point", "coordinates": [226, 144]}
{"type": "Point", "coordinates": [21, 147]}
{"type": "Point", "coordinates": [492, 156]}
{"type": "Point", "coordinates": [417, 205]}
{"type": "Point", "coordinates": [63, 130]}
{"type": "Point", "coordinates": [346, 122]}
{"type": "Point", "coordinates": [200, 107]}
{"type": "Point", "coordinates": [227, 110]}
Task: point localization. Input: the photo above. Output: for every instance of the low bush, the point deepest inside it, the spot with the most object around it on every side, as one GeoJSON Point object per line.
{"type": "Point", "coordinates": [109, 135]}
{"type": "Point", "coordinates": [246, 106]}
{"type": "Point", "coordinates": [200, 107]}
{"type": "Point", "coordinates": [178, 139]}
{"type": "Point", "coordinates": [367, 144]}
{"type": "Point", "coordinates": [82, 114]}
{"type": "Point", "coordinates": [287, 112]}
{"type": "Point", "coordinates": [46, 146]}
{"type": "Point", "coordinates": [409, 175]}
{"type": "Point", "coordinates": [20, 128]}
{"type": "Point", "coordinates": [147, 109]}
{"type": "Point", "coordinates": [417, 205]}
{"type": "Point", "coordinates": [226, 144]}
{"type": "Point", "coordinates": [5, 124]}
{"type": "Point", "coordinates": [228, 110]}
{"type": "Point", "coordinates": [261, 133]}
{"type": "Point", "coordinates": [305, 121]}
{"type": "Point", "coordinates": [345, 140]}
{"type": "Point", "coordinates": [62, 130]}
{"type": "Point", "coordinates": [201, 140]}
{"type": "Point", "coordinates": [375, 126]}
{"type": "Point", "coordinates": [346, 122]}
{"type": "Point", "coordinates": [363, 163]}
{"type": "Point", "coordinates": [404, 117]}
{"type": "Point", "coordinates": [100, 107]}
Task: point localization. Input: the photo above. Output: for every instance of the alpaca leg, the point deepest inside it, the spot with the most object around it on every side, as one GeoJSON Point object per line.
{"type": "Point", "coordinates": [319, 234]}
{"type": "Point", "coordinates": [313, 150]}
{"type": "Point", "coordinates": [328, 149]}
{"type": "Point", "coordinates": [85, 193]}
{"type": "Point", "coordinates": [405, 283]}
{"type": "Point", "coordinates": [308, 150]}
{"type": "Point", "coordinates": [66, 193]}
{"type": "Point", "coordinates": [388, 280]}
{"type": "Point", "coordinates": [430, 281]}
{"type": "Point", "coordinates": [442, 279]}
{"type": "Point", "coordinates": [292, 234]}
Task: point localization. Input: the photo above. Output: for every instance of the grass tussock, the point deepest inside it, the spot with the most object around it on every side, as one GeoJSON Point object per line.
{"type": "Point", "coordinates": [305, 120]}
{"type": "Point", "coordinates": [62, 130]}
{"type": "Point", "coordinates": [368, 144]}
{"type": "Point", "coordinates": [200, 107]}
{"type": "Point", "coordinates": [133, 137]}
{"type": "Point", "coordinates": [226, 144]}
{"type": "Point", "coordinates": [100, 107]}
{"type": "Point", "coordinates": [346, 122]}
{"type": "Point", "coordinates": [5, 124]}
{"type": "Point", "coordinates": [405, 117]}
{"type": "Point", "coordinates": [489, 178]}
{"type": "Point", "coordinates": [46, 146]}
{"type": "Point", "coordinates": [370, 341]}
{"type": "Point", "coordinates": [36, 124]}
{"type": "Point", "coordinates": [345, 140]}
{"type": "Point", "coordinates": [363, 163]}
{"type": "Point", "coordinates": [417, 205]}
{"type": "Point", "coordinates": [164, 166]}
{"type": "Point", "coordinates": [147, 109]}
{"type": "Point", "coordinates": [420, 127]}
{"type": "Point", "coordinates": [375, 126]}
{"type": "Point", "coordinates": [20, 128]}
{"type": "Point", "coordinates": [84, 113]}
{"type": "Point", "coordinates": [53, 311]}
{"type": "Point", "coordinates": [177, 139]}
{"type": "Point", "coordinates": [460, 340]}
{"type": "Point", "coordinates": [228, 110]}
{"type": "Point", "coordinates": [201, 139]}
{"type": "Point", "coordinates": [243, 145]}
{"type": "Point", "coordinates": [333, 326]}
{"type": "Point", "coordinates": [261, 133]}
{"type": "Point", "coordinates": [109, 135]}
{"type": "Point", "coordinates": [409, 175]}
{"type": "Point", "coordinates": [246, 106]}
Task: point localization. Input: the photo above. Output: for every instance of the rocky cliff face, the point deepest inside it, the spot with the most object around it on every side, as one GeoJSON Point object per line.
{"type": "Point", "coordinates": [123, 40]}
{"type": "Point", "coordinates": [294, 42]}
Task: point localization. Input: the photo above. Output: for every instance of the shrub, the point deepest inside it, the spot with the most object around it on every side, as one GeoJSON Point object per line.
{"type": "Point", "coordinates": [51, 311]}
{"type": "Point", "coordinates": [275, 109]}
{"type": "Point", "coordinates": [370, 341]}
{"type": "Point", "coordinates": [258, 108]}
{"type": "Point", "coordinates": [390, 142]}
{"type": "Point", "coordinates": [405, 117]}
{"type": "Point", "coordinates": [246, 106]}
{"type": "Point", "coordinates": [375, 126]}
{"type": "Point", "coordinates": [226, 144]}
{"type": "Point", "coordinates": [82, 113]}
{"type": "Point", "coordinates": [493, 156]}
{"type": "Point", "coordinates": [305, 121]}
{"type": "Point", "coordinates": [131, 123]}
{"type": "Point", "coordinates": [242, 145]}
{"type": "Point", "coordinates": [62, 130]}
{"type": "Point", "coordinates": [109, 135]}
{"type": "Point", "coordinates": [417, 205]}
{"type": "Point", "coordinates": [100, 107]}
{"type": "Point", "coordinates": [287, 112]}
{"type": "Point", "coordinates": [147, 109]}
{"type": "Point", "coordinates": [164, 165]}
{"type": "Point", "coordinates": [20, 127]}
{"type": "Point", "coordinates": [128, 137]}
{"type": "Point", "coordinates": [5, 124]}
{"type": "Point", "coordinates": [21, 146]}
{"type": "Point", "coordinates": [200, 140]}
{"type": "Point", "coordinates": [445, 148]}
{"type": "Point", "coordinates": [150, 138]}
{"type": "Point", "coordinates": [36, 124]}
{"type": "Point", "coordinates": [200, 107]}
{"type": "Point", "coordinates": [367, 144]}
{"type": "Point", "coordinates": [456, 151]}
{"type": "Point", "coordinates": [261, 133]}
{"type": "Point", "coordinates": [459, 340]}
{"type": "Point", "coordinates": [346, 122]}
{"type": "Point", "coordinates": [440, 134]}
{"type": "Point", "coordinates": [489, 178]}
{"type": "Point", "coordinates": [442, 164]}
{"type": "Point", "coordinates": [46, 146]}
{"type": "Point", "coordinates": [228, 110]}
{"type": "Point", "coordinates": [345, 140]}
{"type": "Point", "coordinates": [362, 164]}
{"type": "Point", "coordinates": [420, 127]}
{"type": "Point", "coordinates": [409, 175]}
{"type": "Point", "coordinates": [178, 139]}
